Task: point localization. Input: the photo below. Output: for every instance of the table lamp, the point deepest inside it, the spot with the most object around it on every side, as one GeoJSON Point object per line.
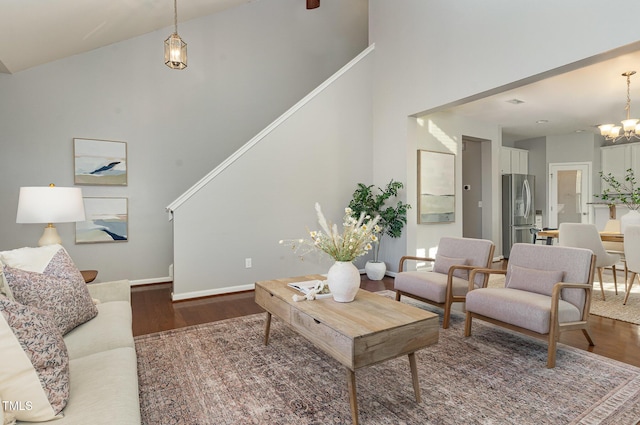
{"type": "Point", "coordinates": [50, 204]}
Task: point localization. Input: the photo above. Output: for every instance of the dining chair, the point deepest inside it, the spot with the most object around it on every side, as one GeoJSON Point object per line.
{"type": "Point", "coordinates": [632, 250]}
{"type": "Point", "coordinates": [448, 281]}
{"type": "Point", "coordinates": [585, 235]}
{"type": "Point", "coordinates": [547, 291]}
{"type": "Point", "coordinates": [613, 226]}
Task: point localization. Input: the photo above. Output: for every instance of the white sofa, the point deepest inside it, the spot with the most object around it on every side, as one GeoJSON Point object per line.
{"type": "Point", "coordinates": [103, 368]}
{"type": "Point", "coordinates": [102, 363]}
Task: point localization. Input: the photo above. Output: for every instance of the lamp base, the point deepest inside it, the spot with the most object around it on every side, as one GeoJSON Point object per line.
{"type": "Point", "coordinates": [50, 236]}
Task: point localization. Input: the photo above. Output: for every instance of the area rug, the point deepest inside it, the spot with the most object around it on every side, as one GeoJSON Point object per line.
{"type": "Point", "coordinates": [222, 373]}
{"type": "Point", "coordinates": [612, 306]}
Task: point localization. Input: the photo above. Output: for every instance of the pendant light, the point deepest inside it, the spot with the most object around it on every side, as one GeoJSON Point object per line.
{"type": "Point", "coordinates": [175, 50]}
{"type": "Point", "coordinates": [630, 126]}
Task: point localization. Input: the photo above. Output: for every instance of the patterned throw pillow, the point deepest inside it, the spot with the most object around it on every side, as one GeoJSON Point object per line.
{"type": "Point", "coordinates": [34, 371]}
{"type": "Point", "coordinates": [60, 290]}
{"type": "Point", "coordinates": [4, 288]}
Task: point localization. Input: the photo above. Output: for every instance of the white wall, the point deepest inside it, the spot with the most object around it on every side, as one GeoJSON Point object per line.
{"type": "Point", "coordinates": [443, 132]}
{"type": "Point", "coordinates": [247, 65]}
{"type": "Point", "coordinates": [431, 53]}
{"type": "Point", "coordinates": [318, 154]}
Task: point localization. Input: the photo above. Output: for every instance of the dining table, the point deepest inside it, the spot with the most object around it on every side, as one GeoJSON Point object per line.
{"type": "Point", "coordinates": [550, 235]}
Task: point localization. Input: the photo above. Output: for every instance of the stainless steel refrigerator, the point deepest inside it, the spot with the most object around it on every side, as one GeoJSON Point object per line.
{"type": "Point", "coordinates": [518, 210]}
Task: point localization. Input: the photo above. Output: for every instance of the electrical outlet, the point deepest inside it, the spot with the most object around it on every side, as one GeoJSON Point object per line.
{"type": "Point", "coordinates": [247, 263]}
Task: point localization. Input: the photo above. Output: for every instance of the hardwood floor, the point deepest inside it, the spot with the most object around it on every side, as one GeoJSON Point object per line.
{"type": "Point", "coordinates": [154, 311]}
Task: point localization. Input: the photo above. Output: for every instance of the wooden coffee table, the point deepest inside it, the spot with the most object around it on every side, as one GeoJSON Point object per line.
{"type": "Point", "coordinates": [369, 330]}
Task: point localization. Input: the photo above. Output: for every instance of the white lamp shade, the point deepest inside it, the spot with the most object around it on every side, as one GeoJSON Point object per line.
{"type": "Point", "coordinates": [605, 129]}
{"type": "Point", "coordinates": [629, 124]}
{"type": "Point", "coordinates": [50, 204]}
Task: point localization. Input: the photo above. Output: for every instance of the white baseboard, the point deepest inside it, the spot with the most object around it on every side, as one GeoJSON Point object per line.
{"type": "Point", "coordinates": [210, 292]}
{"type": "Point", "coordinates": [140, 282]}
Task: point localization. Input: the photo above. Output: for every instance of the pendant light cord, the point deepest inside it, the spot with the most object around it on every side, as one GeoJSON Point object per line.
{"type": "Point", "coordinates": [175, 15]}
{"type": "Point", "coordinates": [628, 107]}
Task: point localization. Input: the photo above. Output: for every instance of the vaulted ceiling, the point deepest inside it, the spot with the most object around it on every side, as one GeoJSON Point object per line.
{"type": "Point", "coordinates": [34, 32]}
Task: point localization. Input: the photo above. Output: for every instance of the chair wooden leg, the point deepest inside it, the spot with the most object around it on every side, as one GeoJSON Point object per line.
{"type": "Point", "coordinates": [631, 279]}
{"type": "Point", "coordinates": [601, 285]}
{"type": "Point", "coordinates": [615, 278]}
{"type": "Point", "coordinates": [587, 335]}
{"type": "Point", "coordinates": [626, 275]}
{"type": "Point", "coordinates": [447, 316]}
{"type": "Point", "coordinates": [467, 325]}
{"type": "Point", "coordinates": [551, 353]}
{"type": "Point", "coordinates": [398, 295]}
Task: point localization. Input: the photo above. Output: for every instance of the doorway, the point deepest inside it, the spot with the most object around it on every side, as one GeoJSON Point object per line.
{"type": "Point", "coordinates": [569, 193]}
{"type": "Point", "coordinates": [472, 190]}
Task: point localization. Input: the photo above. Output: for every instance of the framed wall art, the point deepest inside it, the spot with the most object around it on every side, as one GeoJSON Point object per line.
{"type": "Point", "coordinates": [100, 162]}
{"type": "Point", "coordinates": [106, 221]}
{"type": "Point", "coordinates": [436, 187]}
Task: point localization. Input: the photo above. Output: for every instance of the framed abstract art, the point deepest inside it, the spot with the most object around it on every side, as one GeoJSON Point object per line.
{"type": "Point", "coordinates": [106, 221]}
{"type": "Point", "coordinates": [436, 187]}
{"type": "Point", "coordinates": [100, 162]}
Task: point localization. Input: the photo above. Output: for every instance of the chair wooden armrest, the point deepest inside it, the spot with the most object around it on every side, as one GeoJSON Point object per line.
{"type": "Point", "coordinates": [460, 267]}
{"type": "Point", "coordinates": [410, 257]}
{"type": "Point", "coordinates": [486, 272]}
{"type": "Point", "coordinates": [557, 289]}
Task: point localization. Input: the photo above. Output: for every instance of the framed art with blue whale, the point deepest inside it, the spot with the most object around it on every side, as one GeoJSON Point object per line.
{"type": "Point", "coordinates": [100, 162]}
{"type": "Point", "coordinates": [106, 221]}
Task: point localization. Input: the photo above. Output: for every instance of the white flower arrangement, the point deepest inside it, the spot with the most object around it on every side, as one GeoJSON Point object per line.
{"type": "Point", "coordinates": [354, 241]}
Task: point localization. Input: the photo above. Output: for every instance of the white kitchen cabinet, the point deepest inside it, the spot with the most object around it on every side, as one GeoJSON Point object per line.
{"type": "Point", "coordinates": [514, 161]}
{"type": "Point", "coordinates": [616, 160]}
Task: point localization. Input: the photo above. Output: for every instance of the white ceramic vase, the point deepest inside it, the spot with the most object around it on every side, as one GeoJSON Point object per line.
{"type": "Point", "coordinates": [375, 269]}
{"type": "Point", "coordinates": [344, 281]}
{"type": "Point", "coordinates": [630, 218]}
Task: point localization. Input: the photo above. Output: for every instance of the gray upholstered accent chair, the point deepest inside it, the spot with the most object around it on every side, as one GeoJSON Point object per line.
{"type": "Point", "coordinates": [547, 291]}
{"type": "Point", "coordinates": [632, 250]}
{"type": "Point", "coordinates": [448, 281]}
{"type": "Point", "coordinates": [584, 235]}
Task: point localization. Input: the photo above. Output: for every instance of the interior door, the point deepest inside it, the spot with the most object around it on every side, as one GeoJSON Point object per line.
{"type": "Point", "coordinates": [569, 193]}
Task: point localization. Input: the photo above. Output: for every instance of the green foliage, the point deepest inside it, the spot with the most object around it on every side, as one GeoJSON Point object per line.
{"type": "Point", "coordinates": [373, 200]}
{"type": "Point", "coordinates": [625, 192]}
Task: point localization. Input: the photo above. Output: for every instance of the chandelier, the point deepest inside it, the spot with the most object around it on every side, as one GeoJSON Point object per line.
{"type": "Point", "coordinates": [175, 50]}
{"type": "Point", "coordinates": [630, 126]}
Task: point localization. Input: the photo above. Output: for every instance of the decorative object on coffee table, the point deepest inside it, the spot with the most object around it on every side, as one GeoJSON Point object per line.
{"type": "Point", "coordinates": [354, 241]}
{"type": "Point", "coordinates": [344, 281]}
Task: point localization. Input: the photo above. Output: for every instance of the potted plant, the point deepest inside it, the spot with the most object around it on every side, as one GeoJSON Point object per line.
{"type": "Point", "coordinates": [373, 201]}
{"type": "Point", "coordinates": [625, 192]}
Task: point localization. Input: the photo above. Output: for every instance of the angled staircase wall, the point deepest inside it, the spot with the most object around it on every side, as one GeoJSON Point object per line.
{"type": "Point", "coordinates": [315, 152]}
